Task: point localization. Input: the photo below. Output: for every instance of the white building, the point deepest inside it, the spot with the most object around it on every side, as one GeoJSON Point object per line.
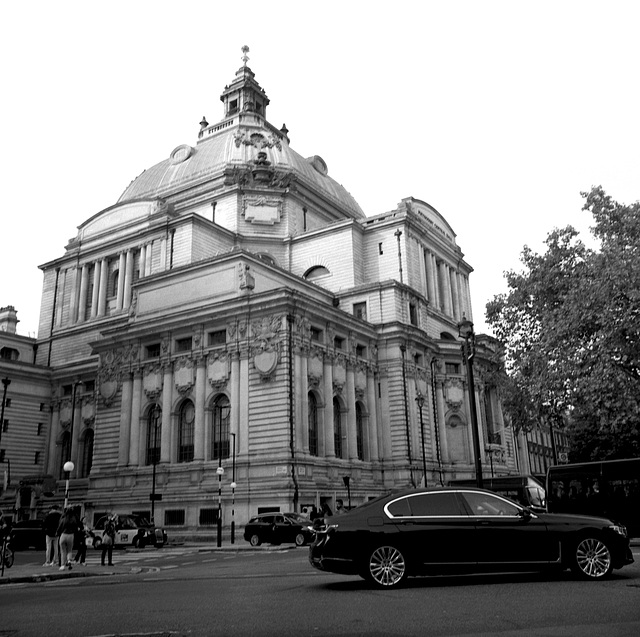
{"type": "Point", "coordinates": [236, 307]}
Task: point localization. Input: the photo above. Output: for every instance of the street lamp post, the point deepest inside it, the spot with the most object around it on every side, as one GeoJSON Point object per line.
{"type": "Point", "coordinates": [6, 382]}
{"type": "Point", "coordinates": [68, 468]}
{"type": "Point", "coordinates": [420, 401]}
{"type": "Point", "coordinates": [465, 331]}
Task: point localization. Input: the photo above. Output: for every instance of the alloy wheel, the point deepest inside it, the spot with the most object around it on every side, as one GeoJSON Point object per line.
{"type": "Point", "coordinates": [593, 558]}
{"type": "Point", "coordinates": [387, 566]}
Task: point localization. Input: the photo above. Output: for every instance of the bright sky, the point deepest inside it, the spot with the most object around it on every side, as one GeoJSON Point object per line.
{"type": "Point", "coordinates": [497, 113]}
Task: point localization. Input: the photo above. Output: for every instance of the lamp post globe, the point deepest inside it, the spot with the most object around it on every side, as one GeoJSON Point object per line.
{"type": "Point", "coordinates": [68, 467]}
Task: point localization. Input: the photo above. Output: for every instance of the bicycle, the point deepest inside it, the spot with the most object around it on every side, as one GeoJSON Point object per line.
{"type": "Point", "coordinates": [6, 554]}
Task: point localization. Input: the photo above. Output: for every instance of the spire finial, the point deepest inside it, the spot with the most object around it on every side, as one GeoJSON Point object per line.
{"type": "Point", "coordinates": [245, 57]}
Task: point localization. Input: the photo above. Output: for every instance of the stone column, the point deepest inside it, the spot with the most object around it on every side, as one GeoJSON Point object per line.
{"type": "Point", "coordinates": [104, 281]}
{"type": "Point", "coordinates": [327, 425]}
{"type": "Point", "coordinates": [200, 397]}
{"type": "Point", "coordinates": [135, 435]}
{"type": "Point", "coordinates": [302, 401]}
{"type": "Point", "coordinates": [128, 279]}
{"type": "Point", "coordinates": [54, 426]}
{"type": "Point", "coordinates": [122, 266]}
{"type": "Point", "coordinates": [455, 296]}
{"type": "Point", "coordinates": [96, 289]}
{"type": "Point", "coordinates": [243, 402]}
{"type": "Point", "coordinates": [143, 261]}
{"type": "Point", "coordinates": [431, 295]}
{"type": "Point", "coordinates": [84, 287]}
{"type": "Point", "coordinates": [442, 425]}
{"type": "Point", "coordinates": [77, 427]}
{"type": "Point", "coordinates": [423, 271]}
{"type": "Point", "coordinates": [124, 439]}
{"type": "Point", "coordinates": [373, 417]}
{"type": "Point", "coordinates": [73, 305]}
{"type": "Point", "coordinates": [352, 437]}
{"type": "Point", "coordinates": [234, 398]}
{"type": "Point", "coordinates": [167, 403]}
{"type": "Point", "coordinates": [387, 450]}
{"type": "Point", "coordinates": [62, 283]}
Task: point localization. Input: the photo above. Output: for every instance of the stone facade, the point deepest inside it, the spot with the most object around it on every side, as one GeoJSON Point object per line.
{"type": "Point", "coordinates": [237, 309]}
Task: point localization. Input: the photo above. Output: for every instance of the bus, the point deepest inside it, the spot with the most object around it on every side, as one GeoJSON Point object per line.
{"type": "Point", "coordinates": [609, 489]}
{"type": "Point", "coordinates": [526, 490]}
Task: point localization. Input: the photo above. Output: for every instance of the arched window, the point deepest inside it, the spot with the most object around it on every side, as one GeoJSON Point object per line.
{"type": "Point", "coordinates": [87, 454]}
{"type": "Point", "coordinates": [313, 424]}
{"type": "Point", "coordinates": [65, 451]}
{"type": "Point", "coordinates": [186, 431]}
{"type": "Point", "coordinates": [337, 428]}
{"type": "Point", "coordinates": [112, 290]}
{"type": "Point", "coordinates": [154, 424]}
{"type": "Point", "coordinates": [359, 432]}
{"type": "Point", "coordinates": [316, 272]}
{"type": "Point", "coordinates": [220, 428]}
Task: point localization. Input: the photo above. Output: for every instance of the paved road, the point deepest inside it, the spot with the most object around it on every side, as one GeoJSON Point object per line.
{"type": "Point", "coordinates": [193, 592]}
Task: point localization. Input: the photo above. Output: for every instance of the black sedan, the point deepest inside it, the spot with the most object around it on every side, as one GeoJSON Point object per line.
{"type": "Point", "coordinates": [279, 528]}
{"type": "Point", "coordinates": [463, 530]}
{"type": "Point", "coordinates": [28, 534]}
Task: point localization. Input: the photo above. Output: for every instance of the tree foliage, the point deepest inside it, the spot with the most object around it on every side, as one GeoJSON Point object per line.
{"type": "Point", "coordinates": [570, 323]}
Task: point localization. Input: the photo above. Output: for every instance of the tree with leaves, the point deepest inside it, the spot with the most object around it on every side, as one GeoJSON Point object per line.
{"type": "Point", "coordinates": [570, 325]}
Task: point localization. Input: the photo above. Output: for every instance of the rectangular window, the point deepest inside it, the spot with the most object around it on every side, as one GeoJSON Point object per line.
{"type": "Point", "coordinates": [7, 402]}
{"type": "Point", "coordinates": [36, 458]}
{"type": "Point", "coordinates": [316, 335]}
{"type": "Point", "coordinates": [452, 368]}
{"type": "Point", "coordinates": [39, 429]}
{"type": "Point", "coordinates": [417, 359]}
{"type": "Point", "coordinates": [174, 517]}
{"type": "Point", "coordinates": [361, 351]}
{"type": "Point", "coordinates": [413, 314]}
{"type": "Point", "coordinates": [152, 351]}
{"type": "Point", "coordinates": [1, 455]}
{"type": "Point", "coordinates": [360, 311]}
{"type": "Point", "coordinates": [338, 342]}
{"type": "Point", "coordinates": [184, 344]}
{"type": "Point", "coordinates": [41, 406]}
{"type": "Point", "coordinates": [5, 425]}
{"type": "Point", "coordinates": [380, 249]}
{"type": "Point", "coordinates": [219, 337]}
{"type": "Point", "coordinates": [89, 386]}
{"type": "Point", "coordinates": [208, 517]}
{"type": "Point", "coordinates": [67, 390]}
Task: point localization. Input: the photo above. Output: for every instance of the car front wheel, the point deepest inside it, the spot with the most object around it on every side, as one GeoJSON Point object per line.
{"type": "Point", "coordinates": [592, 558]}
{"type": "Point", "coordinates": [386, 567]}
{"type": "Point", "coordinates": [300, 539]}
{"type": "Point", "coordinates": [255, 540]}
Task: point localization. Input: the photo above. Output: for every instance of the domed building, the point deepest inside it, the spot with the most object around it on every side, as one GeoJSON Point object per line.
{"type": "Point", "coordinates": [236, 336]}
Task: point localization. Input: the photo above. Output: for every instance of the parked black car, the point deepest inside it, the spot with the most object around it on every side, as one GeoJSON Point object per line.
{"type": "Point", "coordinates": [462, 530]}
{"type": "Point", "coordinates": [28, 534]}
{"type": "Point", "coordinates": [279, 528]}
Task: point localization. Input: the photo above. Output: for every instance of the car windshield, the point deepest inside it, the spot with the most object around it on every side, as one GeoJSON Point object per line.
{"type": "Point", "coordinates": [138, 520]}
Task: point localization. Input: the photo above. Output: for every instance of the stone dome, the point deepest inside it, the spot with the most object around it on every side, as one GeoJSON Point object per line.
{"type": "Point", "coordinates": [235, 143]}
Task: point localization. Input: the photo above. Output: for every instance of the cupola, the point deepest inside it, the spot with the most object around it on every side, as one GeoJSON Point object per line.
{"type": "Point", "coordinates": [244, 94]}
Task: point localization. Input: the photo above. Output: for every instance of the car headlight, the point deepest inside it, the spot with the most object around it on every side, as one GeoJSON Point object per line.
{"type": "Point", "coordinates": [618, 528]}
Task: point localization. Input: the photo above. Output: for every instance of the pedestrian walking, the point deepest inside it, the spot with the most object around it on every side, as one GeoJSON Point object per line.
{"type": "Point", "coordinates": [67, 530]}
{"type": "Point", "coordinates": [50, 526]}
{"type": "Point", "coordinates": [108, 540]}
{"type": "Point", "coordinates": [84, 532]}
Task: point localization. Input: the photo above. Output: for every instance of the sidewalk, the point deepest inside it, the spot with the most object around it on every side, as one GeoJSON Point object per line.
{"type": "Point", "coordinates": [22, 573]}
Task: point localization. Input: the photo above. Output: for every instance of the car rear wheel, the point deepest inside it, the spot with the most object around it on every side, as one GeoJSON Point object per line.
{"type": "Point", "coordinates": [300, 539]}
{"type": "Point", "coordinates": [386, 567]}
{"type": "Point", "coordinates": [592, 558]}
{"type": "Point", "coordinates": [255, 540]}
